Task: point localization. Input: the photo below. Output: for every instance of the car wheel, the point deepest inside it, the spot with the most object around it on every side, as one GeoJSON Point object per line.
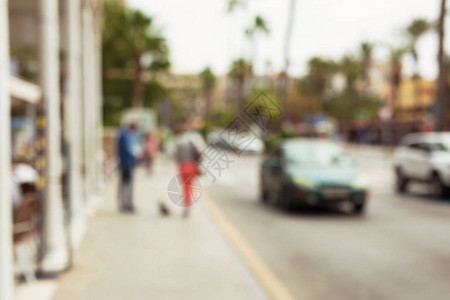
{"type": "Point", "coordinates": [283, 200]}
{"type": "Point", "coordinates": [437, 187]}
{"type": "Point", "coordinates": [358, 208]}
{"type": "Point", "coordinates": [401, 181]}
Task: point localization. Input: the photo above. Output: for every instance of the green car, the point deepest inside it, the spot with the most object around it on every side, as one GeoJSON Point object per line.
{"type": "Point", "coordinates": [311, 172]}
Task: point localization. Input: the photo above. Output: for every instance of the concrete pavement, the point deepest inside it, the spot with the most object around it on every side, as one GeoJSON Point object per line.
{"type": "Point", "coordinates": [147, 256]}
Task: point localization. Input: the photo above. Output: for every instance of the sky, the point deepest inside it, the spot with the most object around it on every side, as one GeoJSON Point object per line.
{"type": "Point", "coordinates": [201, 33]}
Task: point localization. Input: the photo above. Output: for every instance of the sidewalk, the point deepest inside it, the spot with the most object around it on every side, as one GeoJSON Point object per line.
{"type": "Point", "coordinates": [146, 256]}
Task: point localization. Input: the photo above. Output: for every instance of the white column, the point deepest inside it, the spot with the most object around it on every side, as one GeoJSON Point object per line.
{"type": "Point", "coordinates": [55, 246]}
{"type": "Point", "coordinates": [99, 85]}
{"type": "Point", "coordinates": [73, 115]}
{"type": "Point", "coordinates": [6, 257]}
{"type": "Point", "coordinates": [89, 97]}
{"type": "Point", "coordinates": [85, 101]}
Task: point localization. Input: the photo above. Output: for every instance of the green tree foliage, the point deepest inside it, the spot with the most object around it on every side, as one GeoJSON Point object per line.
{"type": "Point", "coordinates": [131, 47]}
{"type": "Point", "coordinates": [318, 78]}
{"type": "Point", "coordinates": [353, 102]}
{"type": "Point", "coordinates": [350, 104]}
{"type": "Point", "coordinates": [366, 53]}
{"type": "Point", "coordinates": [222, 117]}
{"type": "Point", "coordinates": [351, 69]}
{"type": "Point", "coordinates": [233, 5]}
{"type": "Point", "coordinates": [340, 104]}
{"type": "Point", "coordinates": [208, 83]}
{"type": "Point", "coordinates": [415, 31]}
{"type": "Point", "coordinates": [117, 95]}
{"type": "Point", "coordinates": [259, 26]}
{"type": "Point", "coordinates": [397, 54]}
{"type": "Point", "coordinates": [239, 71]}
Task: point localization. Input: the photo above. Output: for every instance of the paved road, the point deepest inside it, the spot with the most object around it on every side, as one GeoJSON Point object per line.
{"type": "Point", "coordinates": [399, 250]}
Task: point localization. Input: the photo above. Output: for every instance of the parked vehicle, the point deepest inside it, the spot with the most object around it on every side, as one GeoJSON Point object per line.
{"type": "Point", "coordinates": [311, 172]}
{"type": "Point", "coordinates": [249, 143]}
{"type": "Point", "coordinates": [424, 157]}
{"type": "Point", "coordinates": [245, 142]}
{"type": "Point", "coordinates": [213, 138]}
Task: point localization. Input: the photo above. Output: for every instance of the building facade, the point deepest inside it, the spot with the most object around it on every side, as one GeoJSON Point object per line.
{"type": "Point", "coordinates": [50, 76]}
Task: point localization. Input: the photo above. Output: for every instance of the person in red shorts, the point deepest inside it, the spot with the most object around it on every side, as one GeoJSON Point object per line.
{"type": "Point", "coordinates": [187, 151]}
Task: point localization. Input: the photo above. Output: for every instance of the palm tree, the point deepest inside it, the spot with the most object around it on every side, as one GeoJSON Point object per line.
{"type": "Point", "coordinates": [258, 27]}
{"type": "Point", "coordinates": [287, 46]}
{"type": "Point", "coordinates": [443, 89]}
{"type": "Point", "coordinates": [366, 52]}
{"type": "Point", "coordinates": [396, 73]}
{"type": "Point", "coordinates": [351, 69]}
{"type": "Point", "coordinates": [317, 81]}
{"type": "Point", "coordinates": [415, 31]}
{"type": "Point", "coordinates": [208, 83]}
{"type": "Point", "coordinates": [145, 42]}
{"type": "Point", "coordinates": [129, 40]}
{"type": "Point", "coordinates": [239, 71]}
{"type": "Point", "coordinates": [234, 4]}
{"type": "Point", "coordinates": [235, 10]}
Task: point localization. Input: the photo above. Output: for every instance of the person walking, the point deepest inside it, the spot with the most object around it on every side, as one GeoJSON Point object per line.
{"type": "Point", "coordinates": [126, 166]}
{"type": "Point", "coordinates": [150, 151]}
{"type": "Point", "coordinates": [188, 145]}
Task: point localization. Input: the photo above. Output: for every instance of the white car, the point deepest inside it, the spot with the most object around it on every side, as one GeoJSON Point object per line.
{"type": "Point", "coordinates": [246, 142]}
{"type": "Point", "coordinates": [256, 146]}
{"type": "Point", "coordinates": [424, 157]}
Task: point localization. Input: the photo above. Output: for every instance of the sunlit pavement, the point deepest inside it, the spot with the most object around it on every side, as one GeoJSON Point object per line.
{"type": "Point", "coordinates": [147, 256]}
{"type": "Point", "coordinates": [398, 250]}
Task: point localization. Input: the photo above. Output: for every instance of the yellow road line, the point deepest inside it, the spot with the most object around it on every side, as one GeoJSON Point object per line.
{"type": "Point", "coordinates": [273, 286]}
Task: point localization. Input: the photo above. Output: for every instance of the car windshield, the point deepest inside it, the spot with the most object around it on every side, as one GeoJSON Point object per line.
{"type": "Point", "coordinates": [316, 154]}
{"type": "Point", "coordinates": [442, 146]}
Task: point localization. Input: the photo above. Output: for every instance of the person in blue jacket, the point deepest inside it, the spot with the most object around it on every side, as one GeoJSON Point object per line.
{"type": "Point", "coordinates": [126, 166]}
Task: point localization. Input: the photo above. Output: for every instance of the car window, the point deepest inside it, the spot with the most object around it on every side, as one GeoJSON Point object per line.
{"type": "Point", "coordinates": [316, 155]}
{"type": "Point", "coordinates": [439, 147]}
{"type": "Point", "coordinates": [418, 146]}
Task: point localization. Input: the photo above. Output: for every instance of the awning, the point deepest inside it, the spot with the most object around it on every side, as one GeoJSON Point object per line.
{"type": "Point", "coordinates": [23, 90]}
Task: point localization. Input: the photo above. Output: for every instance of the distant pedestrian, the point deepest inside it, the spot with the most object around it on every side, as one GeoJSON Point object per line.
{"type": "Point", "coordinates": [126, 166]}
{"type": "Point", "coordinates": [150, 151]}
{"type": "Point", "coordinates": [187, 152]}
